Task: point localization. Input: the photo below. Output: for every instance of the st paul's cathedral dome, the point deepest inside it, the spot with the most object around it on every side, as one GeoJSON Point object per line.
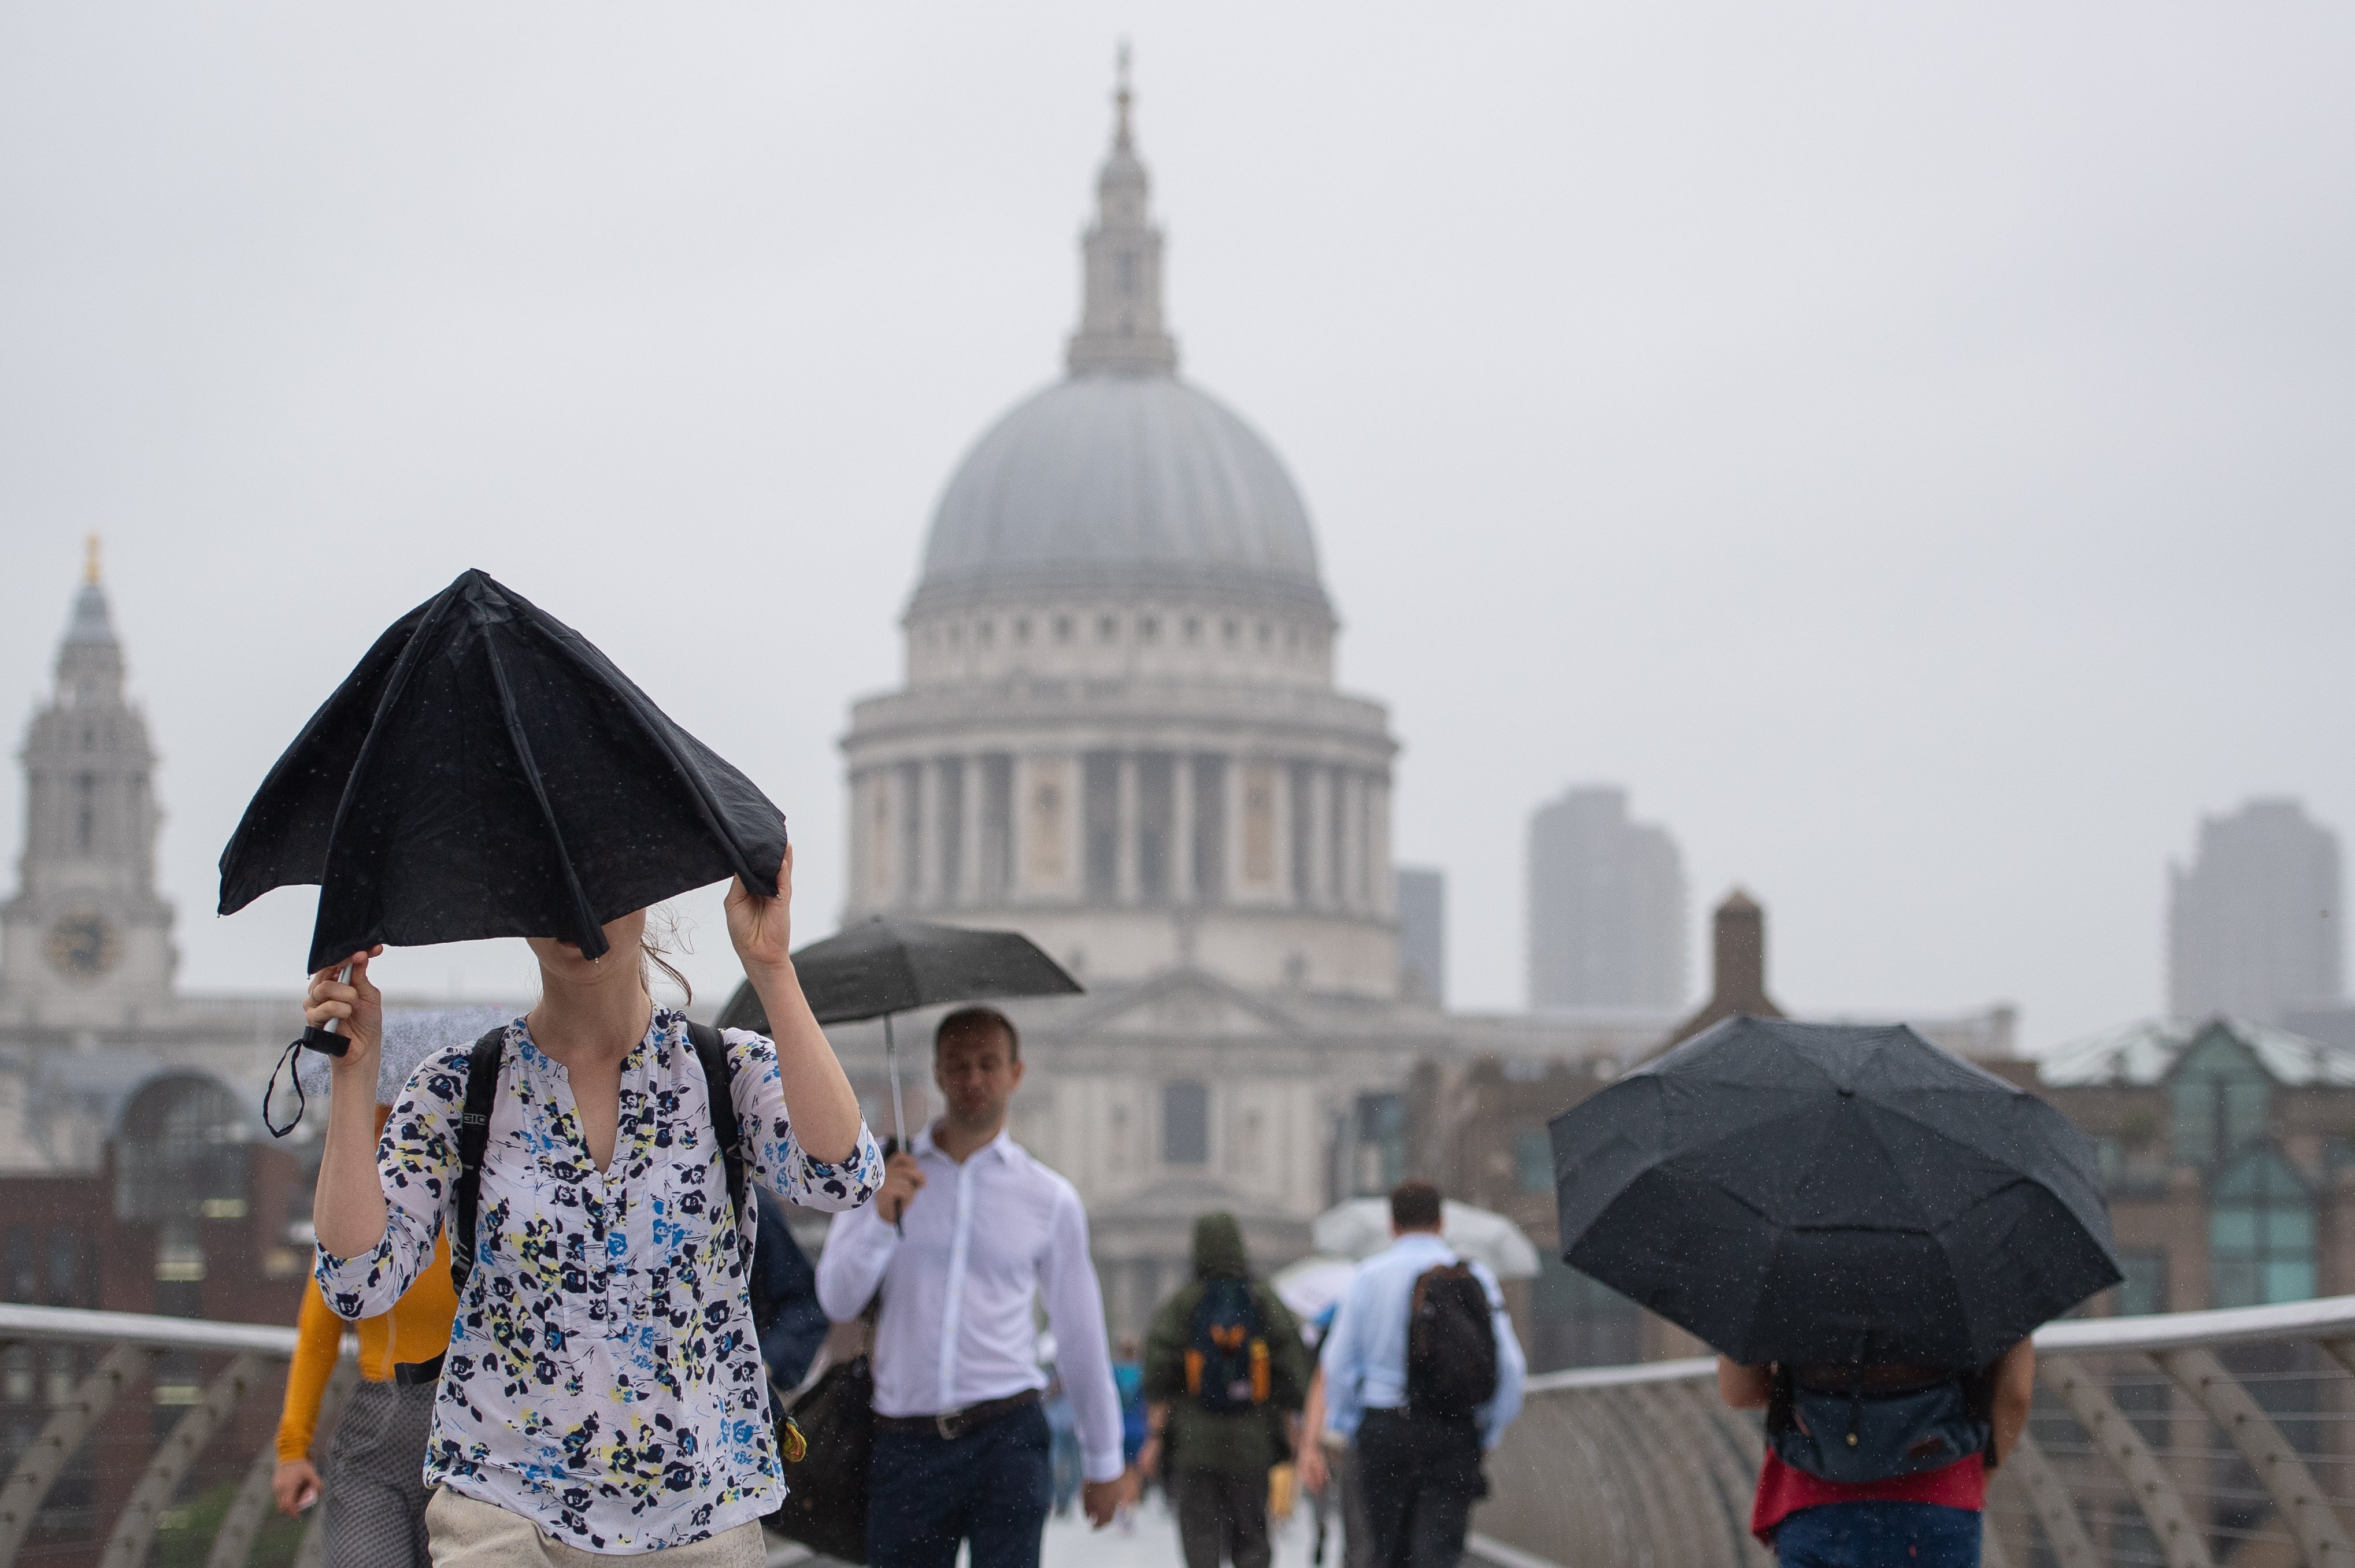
{"type": "Point", "coordinates": [1119, 731]}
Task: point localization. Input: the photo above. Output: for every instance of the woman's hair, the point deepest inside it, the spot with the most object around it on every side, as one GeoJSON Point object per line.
{"type": "Point", "coordinates": [660, 939]}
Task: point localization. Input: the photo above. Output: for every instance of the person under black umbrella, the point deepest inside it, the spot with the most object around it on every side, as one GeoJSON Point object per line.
{"type": "Point", "coordinates": [889, 965]}
{"type": "Point", "coordinates": [486, 772]}
{"type": "Point", "coordinates": [1866, 1229]}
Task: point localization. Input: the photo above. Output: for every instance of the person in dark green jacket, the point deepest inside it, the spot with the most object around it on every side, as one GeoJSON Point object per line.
{"type": "Point", "coordinates": [1225, 1375]}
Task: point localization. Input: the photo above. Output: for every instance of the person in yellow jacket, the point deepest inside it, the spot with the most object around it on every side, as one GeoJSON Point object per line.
{"type": "Point", "coordinates": [375, 1485]}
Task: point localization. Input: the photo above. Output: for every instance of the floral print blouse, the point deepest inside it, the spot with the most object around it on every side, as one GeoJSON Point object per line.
{"type": "Point", "coordinates": [603, 1377]}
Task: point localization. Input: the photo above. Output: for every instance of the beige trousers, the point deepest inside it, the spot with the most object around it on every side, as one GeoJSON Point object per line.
{"type": "Point", "coordinates": [464, 1533]}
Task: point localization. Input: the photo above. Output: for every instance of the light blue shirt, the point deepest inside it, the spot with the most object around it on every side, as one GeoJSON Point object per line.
{"type": "Point", "coordinates": [1364, 1357]}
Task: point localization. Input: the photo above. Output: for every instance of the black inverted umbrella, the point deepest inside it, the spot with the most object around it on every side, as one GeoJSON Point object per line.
{"type": "Point", "coordinates": [887, 966]}
{"type": "Point", "coordinates": [486, 772]}
{"type": "Point", "coordinates": [1832, 1193]}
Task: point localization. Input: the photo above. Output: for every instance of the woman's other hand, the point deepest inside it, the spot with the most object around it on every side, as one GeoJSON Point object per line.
{"type": "Point", "coordinates": [355, 1007]}
{"type": "Point", "coordinates": [762, 929]}
{"type": "Point", "coordinates": [295, 1486]}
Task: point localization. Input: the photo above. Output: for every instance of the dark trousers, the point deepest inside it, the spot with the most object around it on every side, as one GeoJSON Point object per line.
{"type": "Point", "coordinates": [1223, 1514]}
{"type": "Point", "coordinates": [989, 1486]}
{"type": "Point", "coordinates": [1859, 1535]}
{"type": "Point", "coordinates": [1420, 1478]}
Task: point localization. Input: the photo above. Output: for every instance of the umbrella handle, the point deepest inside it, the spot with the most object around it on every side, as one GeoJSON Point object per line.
{"type": "Point", "coordinates": [326, 1038]}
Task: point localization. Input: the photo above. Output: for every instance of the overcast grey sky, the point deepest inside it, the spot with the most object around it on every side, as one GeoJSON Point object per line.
{"type": "Point", "coordinates": [1908, 446]}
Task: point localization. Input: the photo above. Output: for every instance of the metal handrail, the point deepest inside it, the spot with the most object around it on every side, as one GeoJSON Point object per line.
{"type": "Point", "coordinates": [2328, 1317]}
{"type": "Point", "coordinates": [76, 1325]}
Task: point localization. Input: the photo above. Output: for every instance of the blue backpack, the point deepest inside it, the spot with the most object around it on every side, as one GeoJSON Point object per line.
{"type": "Point", "coordinates": [1226, 1361]}
{"type": "Point", "coordinates": [1856, 1434]}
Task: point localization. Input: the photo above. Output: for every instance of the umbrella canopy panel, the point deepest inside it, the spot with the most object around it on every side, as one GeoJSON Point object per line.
{"type": "Point", "coordinates": [485, 772]}
{"type": "Point", "coordinates": [1818, 1192]}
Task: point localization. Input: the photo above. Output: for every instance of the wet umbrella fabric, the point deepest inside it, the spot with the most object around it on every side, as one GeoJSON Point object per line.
{"type": "Point", "coordinates": [887, 966]}
{"type": "Point", "coordinates": [1832, 1193]}
{"type": "Point", "coordinates": [485, 772]}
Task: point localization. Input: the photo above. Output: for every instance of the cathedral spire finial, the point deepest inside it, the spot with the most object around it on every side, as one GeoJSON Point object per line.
{"type": "Point", "coordinates": [1120, 99]}
{"type": "Point", "coordinates": [1121, 328]}
{"type": "Point", "coordinates": [90, 560]}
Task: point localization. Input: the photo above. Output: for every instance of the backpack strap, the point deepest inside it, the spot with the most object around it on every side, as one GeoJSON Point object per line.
{"type": "Point", "coordinates": [474, 1137]}
{"type": "Point", "coordinates": [719, 1083]}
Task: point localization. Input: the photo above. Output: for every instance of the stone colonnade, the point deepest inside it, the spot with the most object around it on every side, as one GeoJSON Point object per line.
{"type": "Point", "coordinates": [1121, 827]}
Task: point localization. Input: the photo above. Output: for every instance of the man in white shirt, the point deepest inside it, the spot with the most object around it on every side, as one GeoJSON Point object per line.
{"type": "Point", "coordinates": [961, 1449]}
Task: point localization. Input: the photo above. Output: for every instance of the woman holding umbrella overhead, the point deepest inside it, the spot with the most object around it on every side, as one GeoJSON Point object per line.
{"type": "Point", "coordinates": [603, 1391]}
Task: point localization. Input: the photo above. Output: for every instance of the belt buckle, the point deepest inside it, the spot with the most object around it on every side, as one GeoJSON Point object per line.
{"type": "Point", "coordinates": [949, 1425]}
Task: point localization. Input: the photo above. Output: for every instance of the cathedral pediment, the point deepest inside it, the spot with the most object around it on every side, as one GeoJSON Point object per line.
{"type": "Point", "coordinates": [1187, 1002]}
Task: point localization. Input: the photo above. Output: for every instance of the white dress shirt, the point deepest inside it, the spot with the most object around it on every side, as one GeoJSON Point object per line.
{"type": "Point", "coordinates": [984, 1238]}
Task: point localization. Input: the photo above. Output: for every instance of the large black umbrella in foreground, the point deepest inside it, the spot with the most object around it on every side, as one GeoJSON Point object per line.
{"type": "Point", "coordinates": [1832, 1193]}
{"type": "Point", "coordinates": [486, 772]}
{"type": "Point", "coordinates": [887, 966]}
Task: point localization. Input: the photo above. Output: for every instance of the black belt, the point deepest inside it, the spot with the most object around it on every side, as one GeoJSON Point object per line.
{"type": "Point", "coordinates": [410, 1374]}
{"type": "Point", "coordinates": [955, 1424]}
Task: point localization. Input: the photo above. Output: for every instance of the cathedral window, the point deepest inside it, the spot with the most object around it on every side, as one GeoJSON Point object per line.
{"type": "Point", "coordinates": [1232, 630]}
{"type": "Point", "coordinates": [1193, 628]}
{"type": "Point", "coordinates": [1149, 628]}
{"type": "Point", "coordinates": [1062, 628]}
{"type": "Point", "coordinates": [985, 631]}
{"type": "Point", "coordinates": [1022, 629]}
{"type": "Point", "coordinates": [1259, 826]}
{"type": "Point", "coordinates": [1266, 633]}
{"type": "Point", "coordinates": [1128, 271]}
{"type": "Point", "coordinates": [1107, 628]}
{"type": "Point", "coordinates": [1184, 1124]}
{"type": "Point", "coordinates": [1049, 860]}
{"type": "Point", "coordinates": [85, 810]}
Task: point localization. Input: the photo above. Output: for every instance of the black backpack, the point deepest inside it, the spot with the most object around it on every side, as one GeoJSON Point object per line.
{"type": "Point", "coordinates": [1227, 1363]}
{"type": "Point", "coordinates": [1451, 1344]}
{"type": "Point", "coordinates": [475, 1137]}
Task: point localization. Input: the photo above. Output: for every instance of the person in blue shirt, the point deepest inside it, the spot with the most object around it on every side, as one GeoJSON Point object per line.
{"type": "Point", "coordinates": [1419, 1471]}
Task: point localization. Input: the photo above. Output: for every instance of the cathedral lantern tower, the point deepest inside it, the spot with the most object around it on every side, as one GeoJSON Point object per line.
{"type": "Point", "coordinates": [1119, 731]}
{"type": "Point", "coordinates": [86, 942]}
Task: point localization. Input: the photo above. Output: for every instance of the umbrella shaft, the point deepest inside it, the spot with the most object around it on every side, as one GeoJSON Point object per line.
{"type": "Point", "coordinates": [899, 1111]}
{"type": "Point", "coordinates": [343, 977]}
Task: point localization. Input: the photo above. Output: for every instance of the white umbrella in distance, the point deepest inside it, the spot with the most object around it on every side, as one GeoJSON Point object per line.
{"type": "Point", "coordinates": [1361, 1227]}
{"type": "Point", "coordinates": [1313, 1283]}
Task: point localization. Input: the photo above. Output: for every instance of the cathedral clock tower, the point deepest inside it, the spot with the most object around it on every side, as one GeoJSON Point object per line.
{"type": "Point", "coordinates": [87, 942]}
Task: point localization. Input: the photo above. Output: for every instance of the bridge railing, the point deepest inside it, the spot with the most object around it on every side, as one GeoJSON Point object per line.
{"type": "Point", "coordinates": [2188, 1440]}
{"type": "Point", "coordinates": [127, 1439]}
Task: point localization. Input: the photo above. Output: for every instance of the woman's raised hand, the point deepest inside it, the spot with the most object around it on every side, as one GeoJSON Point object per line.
{"type": "Point", "coordinates": [762, 929]}
{"type": "Point", "coordinates": [356, 1006]}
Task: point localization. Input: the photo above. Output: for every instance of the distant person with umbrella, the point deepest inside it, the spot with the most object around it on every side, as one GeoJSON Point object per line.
{"type": "Point", "coordinates": [1920, 1512]}
{"type": "Point", "coordinates": [1422, 1375]}
{"type": "Point", "coordinates": [1866, 1229]}
{"type": "Point", "coordinates": [486, 772]}
{"type": "Point", "coordinates": [968, 1231]}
